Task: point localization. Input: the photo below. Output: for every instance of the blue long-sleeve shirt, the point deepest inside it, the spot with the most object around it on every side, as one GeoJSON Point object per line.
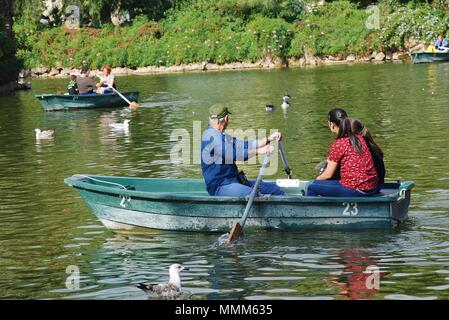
{"type": "Point", "coordinates": [442, 43]}
{"type": "Point", "coordinates": [219, 151]}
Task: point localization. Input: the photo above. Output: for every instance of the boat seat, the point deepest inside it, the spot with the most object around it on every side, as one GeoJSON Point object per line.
{"type": "Point", "coordinates": [385, 192]}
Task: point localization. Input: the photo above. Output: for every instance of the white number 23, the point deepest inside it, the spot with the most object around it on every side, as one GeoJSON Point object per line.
{"type": "Point", "coordinates": [350, 209]}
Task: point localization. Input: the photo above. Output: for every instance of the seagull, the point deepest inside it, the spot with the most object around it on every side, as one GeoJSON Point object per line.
{"type": "Point", "coordinates": [269, 107]}
{"type": "Point", "coordinates": [46, 134]}
{"type": "Point", "coordinates": [170, 288]}
{"type": "Point", "coordinates": [285, 103]}
{"type": "Point", "coordinates": [120, 126]}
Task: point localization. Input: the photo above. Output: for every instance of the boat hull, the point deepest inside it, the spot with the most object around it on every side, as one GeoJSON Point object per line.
{"type": "Point", "coordinates": [53, 102]}
{"type": "Point", "coordinates": [427, 57]}
{"type": "Point", "coordinates": [122, 209]}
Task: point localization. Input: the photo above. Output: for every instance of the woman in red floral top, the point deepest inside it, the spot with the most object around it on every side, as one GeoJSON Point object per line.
{"type": "Point", "coordinates": [358, 176]}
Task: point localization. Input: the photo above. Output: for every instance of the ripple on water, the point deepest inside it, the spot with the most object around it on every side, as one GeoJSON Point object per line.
{"type": "Point", "coordinates": [47, 227]}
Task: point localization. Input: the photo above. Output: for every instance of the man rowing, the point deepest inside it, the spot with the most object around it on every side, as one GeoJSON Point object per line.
{"type": "Point", "coordinates": [219, 151]}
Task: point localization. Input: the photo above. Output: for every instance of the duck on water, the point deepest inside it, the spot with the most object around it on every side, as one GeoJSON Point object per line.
{"type": "Point", "coordinates": [285, 101]}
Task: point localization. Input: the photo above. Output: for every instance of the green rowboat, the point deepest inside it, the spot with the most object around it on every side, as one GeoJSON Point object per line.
{"type": "Point", "coordinates": [184, 205]}
{"type": "Point", "coordinates": [426, 57]}
{"type": "Point", "coordinates": [52, 102]}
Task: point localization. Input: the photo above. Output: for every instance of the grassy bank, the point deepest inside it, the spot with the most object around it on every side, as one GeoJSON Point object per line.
{"type": "Point", "coordinates": [231, 31]}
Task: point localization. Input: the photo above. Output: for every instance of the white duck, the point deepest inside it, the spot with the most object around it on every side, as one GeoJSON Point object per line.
{"type": "Point", "coordinates": [121, 126]}
{"type": "Point", "coordinates": [170, 288]}
{"type": "Point", "coordinates": [285, 103]}
{"type": "Point", "coordinates": [46, 134]}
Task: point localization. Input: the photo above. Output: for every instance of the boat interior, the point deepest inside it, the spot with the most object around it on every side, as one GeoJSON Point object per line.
{"type": "Point", "coordinates": [197, 186]}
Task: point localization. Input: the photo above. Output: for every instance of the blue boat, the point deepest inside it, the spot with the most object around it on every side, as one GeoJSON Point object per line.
{"type": "Point", "coordinates": [427, 57]}
{"type": "Point", "coordinates": [184, 205]}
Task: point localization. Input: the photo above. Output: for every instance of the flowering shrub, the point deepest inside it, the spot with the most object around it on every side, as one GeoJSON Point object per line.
{"type": "Point", "coordinates": [422, 23]}
{"type": "Point", "coordinates": [225, 31]}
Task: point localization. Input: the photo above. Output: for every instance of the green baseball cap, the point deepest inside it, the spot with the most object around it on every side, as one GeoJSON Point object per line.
{"type": "Point", "coordinates": [218, 111]}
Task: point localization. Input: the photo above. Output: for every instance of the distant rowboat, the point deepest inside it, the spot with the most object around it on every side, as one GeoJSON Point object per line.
{"type": "Point", "coordinates": [52, 102]}
{"type": "Point", "coordinates": [426, 57]}
{"type": "Point", "coordinates": [184, 205]}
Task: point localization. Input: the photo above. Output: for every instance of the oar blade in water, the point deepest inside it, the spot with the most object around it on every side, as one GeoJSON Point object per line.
{"type": "Point", "coordinates": [236, 232]}
{"type": "Point", "coordinates": [133, 105]}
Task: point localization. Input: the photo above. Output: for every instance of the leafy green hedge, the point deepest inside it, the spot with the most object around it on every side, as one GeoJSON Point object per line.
{"type": "Point", "coordinates": [229, 30]}
{"type": "Point", "coordinates": [337, 28]}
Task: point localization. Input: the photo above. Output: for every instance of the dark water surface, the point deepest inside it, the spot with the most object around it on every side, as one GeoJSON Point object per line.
{"type": "Point", "coordinates": [46, 226]}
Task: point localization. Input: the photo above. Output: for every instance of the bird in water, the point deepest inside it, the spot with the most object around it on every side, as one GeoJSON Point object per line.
{"type": "Point", "coordinates": [121, 126]}
{"type": "Point", "coordinates": [172, 288]}
{"type": "Point", "coordinates": [46, 134]}
{"type": "Point", "coordinates": [285, 101]}
{"type": "Point", "coordinates": [269, 107]}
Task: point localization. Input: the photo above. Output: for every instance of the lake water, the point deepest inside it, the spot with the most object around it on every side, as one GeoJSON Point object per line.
{"type": "Point", "coordinates": [46, 226]}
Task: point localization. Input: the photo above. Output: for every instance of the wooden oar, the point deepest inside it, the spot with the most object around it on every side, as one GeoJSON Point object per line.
{"type": "Point", "coordinates": [133, 105]}
{"type": "Point", "coordinates": [287, 169]}
{"type": "Point", "coordinates": [237, 228]}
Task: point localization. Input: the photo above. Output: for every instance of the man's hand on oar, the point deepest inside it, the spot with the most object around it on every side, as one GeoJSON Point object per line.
{"type": "Point", "coordinates": [132, 105]}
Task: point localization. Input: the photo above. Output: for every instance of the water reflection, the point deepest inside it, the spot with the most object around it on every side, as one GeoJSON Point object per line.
{"type": "Point", "coordinates": [360, 277]}
{"type": "Point", "coordinates": [46, 226]}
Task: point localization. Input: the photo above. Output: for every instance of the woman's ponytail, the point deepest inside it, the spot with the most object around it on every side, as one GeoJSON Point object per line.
{"type": "Point", "coordinates": [345, 130]}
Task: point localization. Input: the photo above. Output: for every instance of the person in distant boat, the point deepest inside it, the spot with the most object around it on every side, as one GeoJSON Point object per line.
{"type": "Point", "coordinates": [107, 81]}
{"type": "Point", "coordinates": [85, 84]}
{"type": "Point", "coordinates": [219, 151]}
{"type": "Point", "coordinates": [358, 176]}
{"type": "Point", "coordinates": [72, 88]}
{"type": "Point", "coordinates": [440, 43]}
{"type": "Point", "coordinates": [431, 48]}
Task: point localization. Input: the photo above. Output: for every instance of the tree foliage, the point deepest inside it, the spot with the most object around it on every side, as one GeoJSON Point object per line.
{"type": "Point", "coordinates": [170, 32]}
{"type": "Point", "coordinates": [9, 65]}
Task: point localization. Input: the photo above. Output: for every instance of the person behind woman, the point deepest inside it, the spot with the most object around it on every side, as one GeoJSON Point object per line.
{"type": "Point", "coordinates": [107, 81]}
{"type": "Point", "coordinates": [72, 88]}
{"type": "Point", "coordinates": [85, 84]}
{"type": "Point", "coordinates": [358, 175]}
{"type": "Point", "coordinates": [357, 127]}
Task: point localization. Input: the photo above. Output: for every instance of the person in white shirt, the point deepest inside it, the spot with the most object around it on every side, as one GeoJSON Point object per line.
{"type": "Point", "coordinates": [107, 81]}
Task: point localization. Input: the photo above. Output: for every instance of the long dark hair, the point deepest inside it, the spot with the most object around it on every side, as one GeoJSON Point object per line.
{"type": "Point", "coordinates": [357, 127]}
{"type": "Point", "coordinates": [339, 117]}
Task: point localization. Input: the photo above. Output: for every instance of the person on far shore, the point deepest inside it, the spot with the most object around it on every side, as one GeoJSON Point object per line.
{"type": "Point", "coordinates": [72, 88]}
{"type": "Point", "coordinates": [440, 43]}
{"type": "Point", "coordinates": [107, 81]}
{"type": "Point", "coordinates": [85, 84]}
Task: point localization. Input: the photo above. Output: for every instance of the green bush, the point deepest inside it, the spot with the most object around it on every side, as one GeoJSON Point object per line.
{"type": "Point", "coordinates": [422, 23]}
{"type": "Point", "coordinates": [226, 31]}
{"type": "Point", "coordinates": [337, 28]}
